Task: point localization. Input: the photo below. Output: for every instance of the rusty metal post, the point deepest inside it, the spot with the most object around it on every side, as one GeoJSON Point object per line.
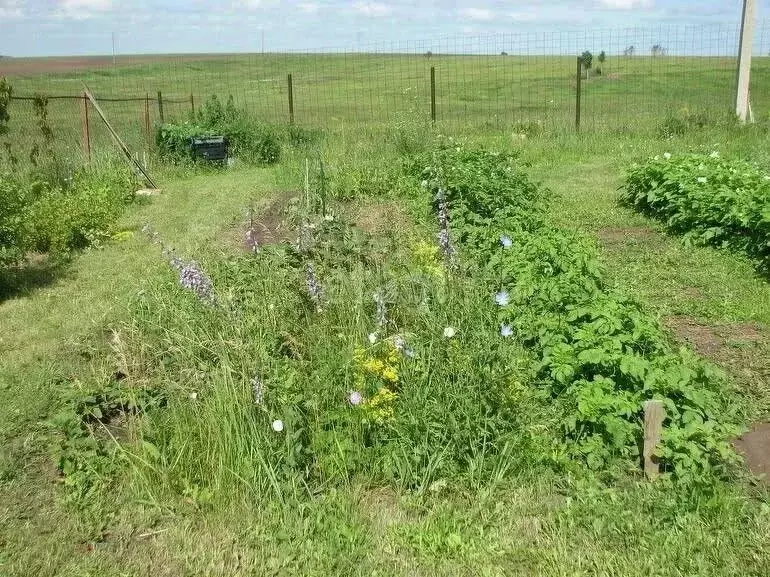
{"type": "Point", "coordinates": [291, 100]}
{"type": "Point", "coordinates": [86, 130]}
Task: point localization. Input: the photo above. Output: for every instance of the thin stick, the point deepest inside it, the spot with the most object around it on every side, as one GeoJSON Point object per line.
{"type": "Point", "coordinates": [654, 415]}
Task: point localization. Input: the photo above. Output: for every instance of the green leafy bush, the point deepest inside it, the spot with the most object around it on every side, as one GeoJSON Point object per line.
{"type": "Point", "coordinates": [14, 235]}
{"type": "Point", "coordinates": [710, 200]}
{"type": "Point", "coordinates": [598, 354]}
{"type": "Point", "coordinates": [249, 140]}
{"type": "Point", "coordinates": [82, 214]}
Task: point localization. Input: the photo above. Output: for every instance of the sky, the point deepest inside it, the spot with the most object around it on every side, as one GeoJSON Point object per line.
{"type": "Point", "coordinates": [70, 27]}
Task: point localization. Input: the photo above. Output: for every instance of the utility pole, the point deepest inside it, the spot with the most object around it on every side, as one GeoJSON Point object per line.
{"type": "Point", "coordinates": [263, 40]}
{"type": "Point", "coordinates": [744, 59]}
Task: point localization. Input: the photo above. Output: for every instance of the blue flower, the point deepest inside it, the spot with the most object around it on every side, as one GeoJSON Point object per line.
{"type": "Point", "coordinates": [506, 330]}
{"type": "Point", "coordinates": [506, 241]}
{"type": "Point", "coordinates": [502, 298]}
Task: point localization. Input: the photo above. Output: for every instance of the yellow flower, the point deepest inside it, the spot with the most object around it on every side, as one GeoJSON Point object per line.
{"type": "Point", "coordinates": [390, 374]}
{"type": "Point", "coordinates": [380, 407]}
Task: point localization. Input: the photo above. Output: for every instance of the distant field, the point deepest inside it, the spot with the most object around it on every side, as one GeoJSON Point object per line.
{"type": "Point", "coordinates": [487, 92]}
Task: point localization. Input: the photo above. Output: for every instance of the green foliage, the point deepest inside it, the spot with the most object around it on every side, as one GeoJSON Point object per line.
{"type": "Point", "coordinates": [14, 220]}
{"type": "Point", "coordinates": [707, 198]}
{"type": "Point", "coordinates": [684, 121]}
{"type": "Point", "coordinates": [87, 454]}
{"type": "Point", "coordinates": [82, 214]}
{"type": "Point", "coordinates": [249, 141]}
{"type": "Point", "coordinates": [587, 59]}
{"type": "Point", "coordinates": [599, 355]}
{"type": "Point", "coordinates": [5, 101]}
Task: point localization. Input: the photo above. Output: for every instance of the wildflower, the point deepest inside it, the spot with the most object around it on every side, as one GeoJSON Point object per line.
{"type": "Point", "coordinates": [329, 218]}
{"type": "Point", "coordinates": [400, 344]}
{"type": "Point", "coordinates": [193, 396]}
{"type": "Point", "coordinates": [251, 240]}
{"type": "Point", "coordinates": [449, 332]}
{"type": "Point", "coordinates": [355, 398]}
{"type": "Point", "coordinates": [503, 298]}
{"type": "Point", "coordinates": [314, 290]}
{"type": "Point", "coordinates": [506, 330]}
{"type": "Point", "coordinates": [381, 316]}
{"type": "Point", "coordinates": [443, 219]}
{"type": "Point", "coordinates": [701, 166]}
{"type": "Point", "coordinates": [656, 157]}
{"type": "Point", "coordinates": [372, 338]}
{"type": "Point", "coordinates": [666, 155]}
{"type": "Point", "coordinates": [192, 277]}
{"type": "Point", "coordinates": [258, 389]}
{"type": "Point", "coordinates": [702, 179]}
{"type": "Point", "coordinates": [424, 184]}
{"type": "Point", "coordinates": [714, 154]}
{"type": "Point", "coordinates": [278, 425]}
{"type": "Point", "coordinates": [506, 241]}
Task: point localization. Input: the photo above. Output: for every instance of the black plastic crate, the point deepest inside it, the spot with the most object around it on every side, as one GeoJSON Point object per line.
{"type": "Point", "coordinates": [213, 149]}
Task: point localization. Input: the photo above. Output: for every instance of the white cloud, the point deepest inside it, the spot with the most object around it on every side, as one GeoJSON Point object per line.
{"type": "Point", "coordinates": [309, 7]}
{"type": "Point", "coordinates": [11, 9]}
{"type": "Point", "coordinates": [625, 4]}
{"type": "Point", "coordinates": [372, 9]}
{"type": "Point", "coordinates": [479, 14]}
{"type": "Point", "coordinates": [82, 9]}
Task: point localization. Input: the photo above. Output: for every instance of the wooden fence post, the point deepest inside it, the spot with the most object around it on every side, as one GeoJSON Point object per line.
{"type": "Point", "coordinates": [291, 101]}
{"type": "Point", "coordinates": [160, 107]}
{"type": "Point", "coordinates": [86, 129]}
{"type": "Point", "coordinates": [147, 126]}
{"type": "Point", "coordinates": [192, 104]}
{"type": "Point", "coordinates": [577, 96]}
{"type": "Point", "coordinates": [654, 415]}
{"type": "Point", "coordinates": [433, 94]}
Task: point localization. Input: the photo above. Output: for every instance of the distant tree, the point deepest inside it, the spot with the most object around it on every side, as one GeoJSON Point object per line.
{"type": "Point", "coordinates": [587, 60]}
{"type": "Point", "coordinates": [503, 53]}
{"type": "Point", "coordinates": [629, 51]}
{"type": "Point", "coordinates": [658, 50]}
{"type": "Point", "coordinates": [602, 58]}
{"type": "Point", "coordinates": [428, 54]}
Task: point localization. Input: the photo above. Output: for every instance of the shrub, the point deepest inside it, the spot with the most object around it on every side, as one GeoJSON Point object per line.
{"type": "Point", "coordinates": [14, 236]}
{"type": "Point", "coordinates": [250, 141]}
{"type": "Point", "coordinates": [709, 199]}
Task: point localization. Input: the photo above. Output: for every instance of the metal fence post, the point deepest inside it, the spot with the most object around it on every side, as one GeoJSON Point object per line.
{"type": "Point", "coordinates": [86, 129]}
{"type": "Point", "coordinates": [291, 100]}
{"type": "Point", "coordinates": [160, 107]}
{"type": "Point", "coordinates": [192, 104]}
{"type": "Point", "coordinates": [433, 94]}
{"type": "Point", "coordinates": [147, 117]}
{"type": "Point", "coordinates": [577, 92]}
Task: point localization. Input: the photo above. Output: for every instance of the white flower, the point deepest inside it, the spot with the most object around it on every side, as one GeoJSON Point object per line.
{"type": "Point", "coordinates": [666, 155]}
{"type": "Point", "coordinates": [355, 398]}
{"type": "Point", "coordinates": [193, 395]}
{"type": "Point", "coordinates": [329, 218]}
{"type": "Point", "coordinates": [502, 298]}
{"type": "Point", "coordinates": [657, 157]}
{"type": "Point", "coordinates": [278, 425]}
{"type": "Point", "coordinates": [506, 241]}
{"type": "Point", "coordinates": [701, 166]}
{"type": "Point", "coordinates": [702, 179]}
{"type": "Point", "coordinates": [714, 154]}
{"type": "Point", "coordinates": [506, 330]}
{"type": "Point", "coordinates": [372, 338]}
{"type": "Point", "coordinates": [424, 184]}
{"type": "Point", "coordinates": [767, 177]}
{"type": "Point", "coordinates": [449, 332]}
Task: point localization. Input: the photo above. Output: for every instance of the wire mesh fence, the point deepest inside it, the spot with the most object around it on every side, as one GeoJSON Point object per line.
{"type": "Point", "coordinates": [514, 82]}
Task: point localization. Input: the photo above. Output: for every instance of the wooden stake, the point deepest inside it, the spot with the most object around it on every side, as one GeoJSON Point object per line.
{"type": "Point", "coordinates": [654, 415]}
{"type": "Point", "coordinates": [147, 118]}
{"type": "Point", "coordinates": [192, 104]}
{"type": "Point", "coordinates": [291, 100]}
{"type": "Point", "coordinates": [160, 107]}
{"type": "Point", "coordinates": [577, 97]}
{"type": "Point", "coordinates": [433, 94]}
{"type": "Point", "coordinates": [86, 129]}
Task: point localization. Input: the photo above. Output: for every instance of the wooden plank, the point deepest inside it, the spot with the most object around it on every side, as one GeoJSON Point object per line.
{"type": "Point", "coordinates": [654, 415]}
{"type": "Point", "coordinates": [120, 144]}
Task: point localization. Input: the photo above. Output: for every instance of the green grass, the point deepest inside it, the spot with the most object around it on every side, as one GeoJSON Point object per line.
{"type": "Point", "coordinates": [508, 94]}
{"type": "Point", "coordinates": [530, 521]}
